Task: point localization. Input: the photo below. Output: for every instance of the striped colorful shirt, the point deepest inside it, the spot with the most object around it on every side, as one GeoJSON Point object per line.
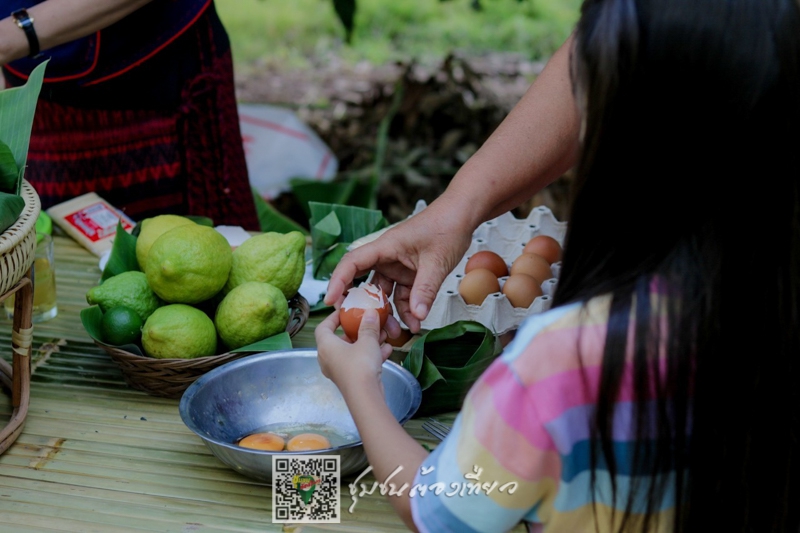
{"type": "Point", "coordinates": [524, 433]}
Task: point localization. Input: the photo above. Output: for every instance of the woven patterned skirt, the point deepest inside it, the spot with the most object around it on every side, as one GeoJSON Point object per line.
{"type": "Point", "coordinates": [181, 155]}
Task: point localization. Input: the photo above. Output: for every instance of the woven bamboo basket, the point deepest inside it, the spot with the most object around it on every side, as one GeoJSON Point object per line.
{"type": "Point", "coordinates": [169, 378]}
{"type": "Point", "coordinates": [18, 243]}
{"type": "Point", "coordinates": [17, 249]}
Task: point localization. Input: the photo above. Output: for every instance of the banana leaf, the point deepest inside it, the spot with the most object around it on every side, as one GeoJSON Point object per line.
{"type": "Point", "coordinates": [201, 220]}
{"type": "Point", "coordinates": [333, 228]}
{"type": "Point", "coordinates": [307, 190]}
{"type": "Point", "coordinates": [91, 318]}
{"type": "Point", "coordinates": [9, 171]}
{"type": "Point", "coordinates": [270, 219]}
{"type": "Point", "coordinates": [11, 207]}
{"type": "Point", "coordinates": [17, 108]}
{"type": "Point", "coordinates": [447, 361]}
{"type": "Point", "coordinates": [281, 341]}
{"type": "Point", "coordinates": [123, 254]}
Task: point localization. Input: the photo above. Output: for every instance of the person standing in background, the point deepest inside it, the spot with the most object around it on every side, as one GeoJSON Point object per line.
{"type": "Point", "coordinates": [138, 105]}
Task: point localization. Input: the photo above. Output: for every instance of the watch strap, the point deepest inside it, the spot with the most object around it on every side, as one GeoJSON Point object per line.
{"type": "Point", "coordinates": [25, 23]}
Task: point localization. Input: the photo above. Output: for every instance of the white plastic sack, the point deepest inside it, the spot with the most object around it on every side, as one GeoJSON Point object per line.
{"type": "Point", "coordinates": [279, 146]}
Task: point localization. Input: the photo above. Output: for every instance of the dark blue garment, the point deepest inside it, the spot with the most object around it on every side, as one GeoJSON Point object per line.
{"type": "Point", "coordinates": [109, 53]}
{"type": "Point", "coordinates": [144, 61]}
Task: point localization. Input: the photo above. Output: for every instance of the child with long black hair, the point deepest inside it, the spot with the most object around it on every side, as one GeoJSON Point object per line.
{"type": "Point", "coordinates": [660, 393]}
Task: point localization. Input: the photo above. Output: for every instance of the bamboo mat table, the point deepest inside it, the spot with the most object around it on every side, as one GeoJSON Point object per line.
{"type": "Point", "coordinates": [98, 456]}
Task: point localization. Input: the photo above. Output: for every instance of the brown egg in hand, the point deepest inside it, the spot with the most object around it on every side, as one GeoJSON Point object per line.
{"type": "Point", "coordinates": [533, 265]}
{"type": "Point", "coordinates": [477, 284]}
{"type": "Point", "coordinates": [307, 441]}
{"type": "Point", "coordinates": [545, 246]}
{"type": "Point", "coordinates": [521, 290]}
{"type": "Point", "coordinates": [488, 260]}
{"type": "Point", "coordinates": [263, 441]}
{"type": "Point", "coordinates": [365, 296]}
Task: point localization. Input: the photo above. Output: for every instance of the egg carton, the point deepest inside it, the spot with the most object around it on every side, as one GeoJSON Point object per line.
{"type": "Point", "coordinates": [505, 235]}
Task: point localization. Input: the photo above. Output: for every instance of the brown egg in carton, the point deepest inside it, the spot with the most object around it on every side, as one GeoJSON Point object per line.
{"type": "Point", "coordinates": [505, 235]}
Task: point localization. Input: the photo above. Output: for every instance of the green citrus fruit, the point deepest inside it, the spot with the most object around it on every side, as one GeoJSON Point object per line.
{"type": "Point", "coordinates": [251, 312]}
{"type": "Point", "coordinates": [188, 264]}
{"type": "Point", "coordinates": [153, 228]}
{"type": "Point", "coordinates": [128, 289]}
{"type": "Point", "coordinates": [179, 331]}
{"type": "Point", "coordinates": [274, 258]}
{"type": "Point", "coordinates": [121, 325]}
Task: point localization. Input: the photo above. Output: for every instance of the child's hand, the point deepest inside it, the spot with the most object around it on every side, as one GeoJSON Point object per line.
{"type": "Point", "coordinates": [352, 364]}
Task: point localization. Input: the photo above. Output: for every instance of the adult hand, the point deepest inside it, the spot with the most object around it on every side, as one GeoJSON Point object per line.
{"type": "Point", "coordinates": [410, 260]}
{"type": "Point", "coordinates": [535, 144]}
{"type": "Point", "coordinates": [352, 364]}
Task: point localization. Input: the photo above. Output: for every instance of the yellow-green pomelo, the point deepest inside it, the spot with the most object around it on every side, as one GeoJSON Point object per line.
{"type": "Point", "coordinates": [274, 258]}
{"type": "Point", "coordinates": [152, 229]}
{"type": "Point", "coordinates": [188, 264]}
{"type": "Point", "coordinates": [179, 331]}
{"type": "Point", "coordinates": [251, 312]}
{"type": "Point", "coordinates": [128, 289]}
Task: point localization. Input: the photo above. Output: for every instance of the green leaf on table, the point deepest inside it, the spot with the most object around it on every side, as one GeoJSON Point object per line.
{"type": "Point", "coordinates": [9, 171]}
{"type": "Point", "coordinates": [270, 219]}
{"type": "Point", "coordinates": [428, 375]}
{"type": "Point", "coordinates": [91, 317]}
{"type": "Point", "coordinates": [329, 260]}
{"type": "Point", "coordinates": [333, 228]}
{"type": "Point", "coordinates": [321, 307]}
{"type": "Point", "coordinates": [328, 230]}
{"type": "Point", "coordinates": [201, 220]}
{"type": "Point", "coordinates": [341, 192]}
{"type": "Point", "coordinates": [11, 206]}
{"type": "Point", "coordinates": [123, 254]}
{"type": "Point", "coordinates": [17, 109]}
{"type": "Point", "coordinates": [281, 341]}
{"type": "Point", "coordinates": [447, 361]}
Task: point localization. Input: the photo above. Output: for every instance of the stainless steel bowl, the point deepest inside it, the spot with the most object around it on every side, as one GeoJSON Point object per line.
{"type": "Point", "coordinates": [282, 388]}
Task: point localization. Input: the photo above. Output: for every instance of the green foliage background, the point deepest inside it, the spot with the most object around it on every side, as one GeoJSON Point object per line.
{"type": "Point", "coordinates": [302, 32]}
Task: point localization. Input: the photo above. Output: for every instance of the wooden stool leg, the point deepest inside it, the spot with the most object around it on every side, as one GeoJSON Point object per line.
{"type": "Point", "coordinates": [21, 342]}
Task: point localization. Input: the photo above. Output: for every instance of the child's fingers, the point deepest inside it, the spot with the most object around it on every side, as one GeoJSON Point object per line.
{"type": "Point", "coordinates": [331, 321]}
{"type": "Point", "coordinates": [370, 327]}
{"type": "Point", "coordinates": [386, 351]}
{"type": "Point", "coordinates": [327, 328]}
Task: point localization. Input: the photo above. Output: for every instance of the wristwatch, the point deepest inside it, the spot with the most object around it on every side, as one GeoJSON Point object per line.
{"type": "Point", "coordinates": [25, 23]}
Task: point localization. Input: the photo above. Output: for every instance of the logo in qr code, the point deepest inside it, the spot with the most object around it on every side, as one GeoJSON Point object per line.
{"type": "Point", "coordinates": [306, 489]}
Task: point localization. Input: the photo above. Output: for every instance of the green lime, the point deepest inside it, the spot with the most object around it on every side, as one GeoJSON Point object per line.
{"type": "Point", "coordinates": [251, 312]}
{"type": "Point", "coordinates": [129, 289]}
{"type": "Point", "coordinates": [44, 226]}
{"type": "Point", "coordinates": [179, 331]}
{"type": "Point", "coordinates": [153, 228]}
{"type": "Point", "coordinates": [188, 264]}
{"type": "Point", "coordinates": [121, 325]}
{"type": "Point", "coordinates": [274, 258]}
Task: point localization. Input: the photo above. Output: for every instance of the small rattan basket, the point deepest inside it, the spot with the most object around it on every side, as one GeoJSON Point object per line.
{"type": "Point", "coordinates": [169, 378]}
{"type": "Point", "coordinates": [17, 251]}
{"type": "Point", "coordinates": [18, 243]}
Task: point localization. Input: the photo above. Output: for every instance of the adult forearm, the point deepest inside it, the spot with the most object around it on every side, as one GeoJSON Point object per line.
{"type": "Point", "coordinates": [61, 21]}
{"type": "Point", "coordinates": [535, 144]}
